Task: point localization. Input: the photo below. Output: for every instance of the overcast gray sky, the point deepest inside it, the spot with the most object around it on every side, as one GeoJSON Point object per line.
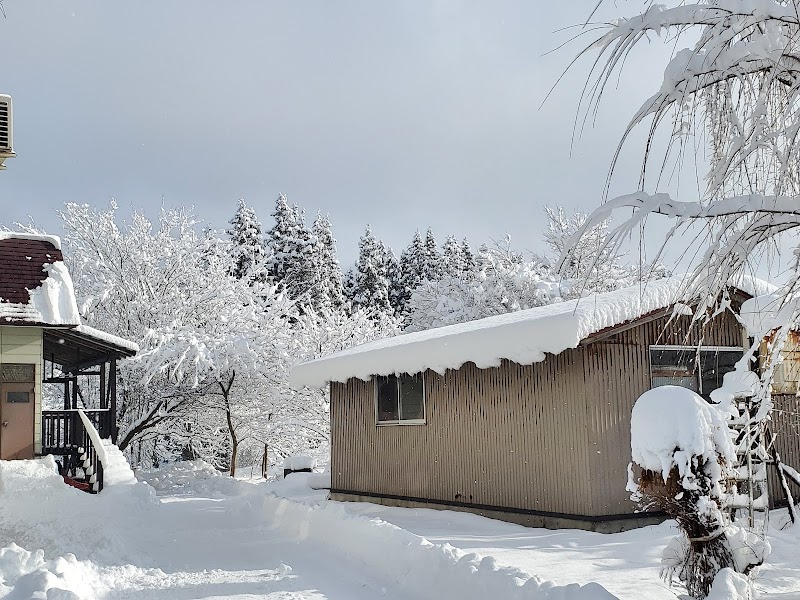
{"type": "Point", "coordinates": [401, 114]}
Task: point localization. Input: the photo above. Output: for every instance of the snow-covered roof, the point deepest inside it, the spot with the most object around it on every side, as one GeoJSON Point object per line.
{"type": "Point", "coordinates": [107, 337]}
{"type": "Point", "coordinates": [35, 286]}
{"type": "Point", "coordinates": [53, 240]}
{"type": "Point", "coordinates": [524, 336]}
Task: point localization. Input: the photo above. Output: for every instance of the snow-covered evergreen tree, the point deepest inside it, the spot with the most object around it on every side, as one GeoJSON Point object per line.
{"type": "Point", "coordinates": [372, 286]}
{"type": "Point", "coordinates": [394, 275]}
{"type": "Point", "coordinates": [452, 257]}
{"type": "Point", "coordinates": [328, 271]}
{"type": "Point", "coordinates": [467, 257]}
{"type": "Point", "coordinates": [292, 263]}
{"type": "Point", "coordinates": [280, 239]}
{"type": "Point", "coordinates": [412, 266]}
{"type": "Point", "coordinates": [349, 286]}
{"type": "Point", "coordinates": [432, 264]}
{"type": "Point", "coordinates": [248, 244]}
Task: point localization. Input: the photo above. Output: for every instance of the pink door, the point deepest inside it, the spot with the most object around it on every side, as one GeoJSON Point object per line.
{"type": "Point", "coordinates": [17, 402]}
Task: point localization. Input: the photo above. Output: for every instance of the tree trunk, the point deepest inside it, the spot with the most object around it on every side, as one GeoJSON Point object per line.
{"type": "Point", "coordinates": [264, 464]}
{"type": "Point", "coordinates": [231, 428]}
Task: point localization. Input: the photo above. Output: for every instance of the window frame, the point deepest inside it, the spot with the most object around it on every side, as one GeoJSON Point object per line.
{"type": "Point", "coordinates": [398, 421]}
{"type": "Point", "coordinates": [695, 349]}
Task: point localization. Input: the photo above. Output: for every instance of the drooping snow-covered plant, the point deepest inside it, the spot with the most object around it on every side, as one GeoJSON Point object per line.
{"type": "Point", "coordinates": [737, 87]}
{"type": "Point", "coordinates": [684, 450]}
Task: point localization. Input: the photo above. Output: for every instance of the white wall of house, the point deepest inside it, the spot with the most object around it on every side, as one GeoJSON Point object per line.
{"type": "Point", "coordinates": [23, 345]}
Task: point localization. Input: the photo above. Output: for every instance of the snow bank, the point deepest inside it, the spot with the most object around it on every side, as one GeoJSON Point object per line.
{"type": "Point", "coordinates": [192, 477]}
{"type": "Point", "coordinates": [423, 568]}
{"type": "Point", "coordinates": [40, 511]}
{"type": "Point", "coordinates": [28, 576]}
{"type": "Point", "coordinates": [524, 336]}
{"type": "Point", "coordinates": [672, 426]}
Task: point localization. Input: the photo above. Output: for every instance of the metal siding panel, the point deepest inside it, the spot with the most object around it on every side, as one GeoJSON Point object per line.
{"type": "Point", "coordinates": [618, 370]}
{"type": "Point", "coordinates": [786, 429]}
{"type": "Point", "coordinates": [510, 436]}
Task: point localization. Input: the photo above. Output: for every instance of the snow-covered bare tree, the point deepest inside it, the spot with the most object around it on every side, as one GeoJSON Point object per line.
{"type": "Point", "coordinates": [137, 278]}
{"type": "Point", "coordinates": [736, 87]}
{"type": "Point", "coordinates": [592, 262]}
{"type": "Point", "coordinates": [234, 363]}
{"type": "Point", "coordinates": [504, 282]}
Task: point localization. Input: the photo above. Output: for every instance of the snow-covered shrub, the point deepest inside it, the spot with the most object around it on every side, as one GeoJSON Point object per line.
{"type": "Point", "coordinates": [684, 449]}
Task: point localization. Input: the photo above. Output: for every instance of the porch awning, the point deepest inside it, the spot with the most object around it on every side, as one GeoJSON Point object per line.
{"type": "Point", "coordinates": [83, 347]}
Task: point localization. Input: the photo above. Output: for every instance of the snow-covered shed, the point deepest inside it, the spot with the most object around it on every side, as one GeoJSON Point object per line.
{"type": "Point", "coordinates": [47, 353]}
{"type": "Point", "coordinates": [522, 416]}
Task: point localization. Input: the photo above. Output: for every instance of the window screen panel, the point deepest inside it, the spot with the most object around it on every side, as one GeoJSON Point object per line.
{"type": "Point", "coordinates": [387, 404]}
{"type": "Point", "coordinates": [412, 397]}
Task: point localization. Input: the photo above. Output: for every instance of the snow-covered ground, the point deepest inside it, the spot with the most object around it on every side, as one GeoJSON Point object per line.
{"type": "Point", "coordinates": [188, 533]}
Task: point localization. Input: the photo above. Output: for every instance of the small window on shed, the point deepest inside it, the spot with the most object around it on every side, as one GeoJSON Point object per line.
{"type": "Point", "coordinates": [700, 370]}
{"type": "Point", "coordinates": [400, 399]}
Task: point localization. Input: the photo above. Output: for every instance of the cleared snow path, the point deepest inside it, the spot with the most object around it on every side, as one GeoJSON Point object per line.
{"type": "Point", "coordinates": [209, 536]}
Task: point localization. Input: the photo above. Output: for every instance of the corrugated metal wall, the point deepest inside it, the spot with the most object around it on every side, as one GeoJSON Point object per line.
{"type": "Point", "coordinates": [618, 372]}
{"type": "Point", "coordinates": [553, 436]}
{"type": "Point", "coordinates": [514, 436]}
{"type": "Point", "coordinates": [786, 429]}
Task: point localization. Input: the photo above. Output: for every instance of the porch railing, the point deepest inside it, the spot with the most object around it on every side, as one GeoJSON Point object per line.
{"type": "Point", "coordinates": [62, 431]}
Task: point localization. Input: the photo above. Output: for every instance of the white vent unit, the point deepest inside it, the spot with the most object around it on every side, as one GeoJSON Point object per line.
{"type": "Point", "coordinates": [6, 130]}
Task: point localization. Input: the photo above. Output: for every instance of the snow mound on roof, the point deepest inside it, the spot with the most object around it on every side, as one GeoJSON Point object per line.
{"type": "Point", "coordinates": [524, 337]}
{"type": "Point", "coordinates": [672, 426]}
{"type": "Point", "coordinates": [54, 240]}
{"type": "Point", "coordinates": [52, 303]}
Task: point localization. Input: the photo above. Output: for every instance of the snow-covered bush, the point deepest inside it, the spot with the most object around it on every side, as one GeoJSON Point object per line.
{"type": "Point", "coordinates": [685, 451]}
